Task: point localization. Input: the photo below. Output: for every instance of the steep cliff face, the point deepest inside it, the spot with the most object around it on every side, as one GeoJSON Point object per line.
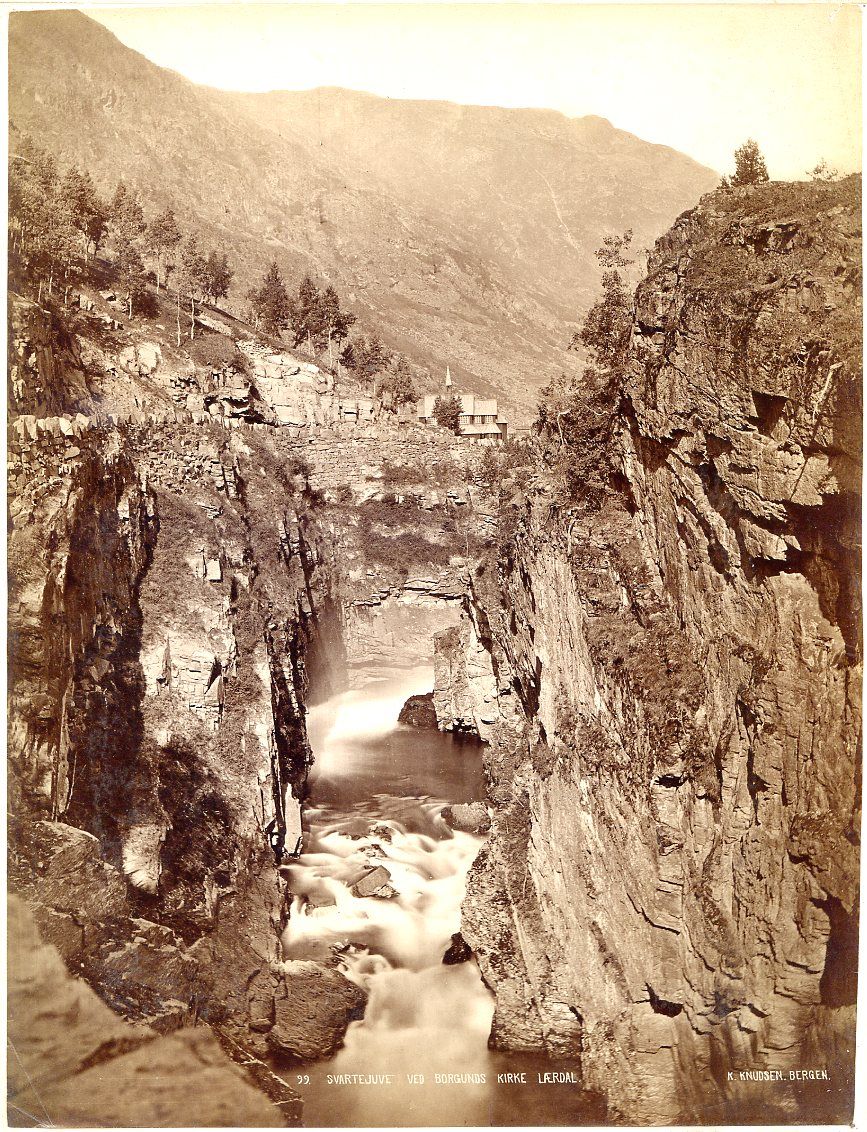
{"type": "Point", "coordinates": [670, 889]}
{"type": "Point", "coordinates": [171, 594]}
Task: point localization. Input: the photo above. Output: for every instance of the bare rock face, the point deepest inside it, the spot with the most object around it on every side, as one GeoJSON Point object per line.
{"type": "Point", "coordinates": [142, 359]}
{"type": "Point", "coordinates": [465, 688]}
{"type": "Point", "coordinates": [157, 740]}
{"type": "Point", "coordinates": [669, 891]}
{"type": "Point", "coordinates": [174, 599]}
{"type": "Point", "coordinates": [78, 1065]}
{"type": "Point", "coordinates": [313, 1011]}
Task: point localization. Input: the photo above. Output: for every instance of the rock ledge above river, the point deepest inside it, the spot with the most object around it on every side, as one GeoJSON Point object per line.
{"type": "Point", "coordinates": [314, 1012]}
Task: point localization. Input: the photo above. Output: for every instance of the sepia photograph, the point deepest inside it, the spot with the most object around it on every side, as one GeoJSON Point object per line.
{"type": "Point", "coordinates": [434, 637]}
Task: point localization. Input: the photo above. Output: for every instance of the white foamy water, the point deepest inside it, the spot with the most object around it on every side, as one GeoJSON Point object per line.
{"type": "Point", "coordinates": [412, 928]}
{"type": "Point", "coordinates": [377, 792]}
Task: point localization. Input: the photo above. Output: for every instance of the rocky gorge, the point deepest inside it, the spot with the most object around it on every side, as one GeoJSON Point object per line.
{"type": "Point", "coordinates": [667, 687]}
{"type": "Point", "coordinates": [184, 586]}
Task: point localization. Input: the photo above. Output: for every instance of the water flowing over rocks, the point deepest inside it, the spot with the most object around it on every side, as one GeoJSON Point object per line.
{"type": "Point", "coordinates": [670, 690]}
{"type": "Point", "coordinates": [667, 689]}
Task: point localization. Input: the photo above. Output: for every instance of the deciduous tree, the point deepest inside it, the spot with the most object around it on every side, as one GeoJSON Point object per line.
{"type": "Point", "coordinates": [607, 324]}
{"type": "Point", "coordinates": [578, 412]}
{"type": "Point", "coordinates": [822, 171]}
{"type": "Point", "coordinates": [447, 412]}
{"type": "Point", "coordinates": [190, 280]}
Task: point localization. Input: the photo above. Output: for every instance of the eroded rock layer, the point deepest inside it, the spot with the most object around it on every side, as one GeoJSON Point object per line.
{"type": "Point", "coordinates": [76, 1064]}
{"type": "Point", "coordinates": [163, 639]}
{"type": "Point", "coordinates": [672, 694]}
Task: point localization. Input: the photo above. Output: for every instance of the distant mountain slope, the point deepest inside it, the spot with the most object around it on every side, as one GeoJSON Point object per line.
{"type": "Point", "coordinates": [465, 234]}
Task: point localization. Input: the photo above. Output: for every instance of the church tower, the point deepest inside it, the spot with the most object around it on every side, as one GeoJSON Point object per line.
{"type": "Point", "coordinates": [448, 378]}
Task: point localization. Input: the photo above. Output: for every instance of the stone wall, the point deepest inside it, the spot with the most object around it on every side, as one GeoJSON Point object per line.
{"type": "Point", "coordinates": [339, 455]}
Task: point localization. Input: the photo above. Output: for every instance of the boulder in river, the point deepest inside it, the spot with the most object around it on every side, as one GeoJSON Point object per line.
{"type": "Point", "coordinates": [418, 711]}
{"type": "Point", "coordinates": [374, 883]}
{"type": "Point", "coordinates": [313, 1012]}
{"type": "Point", "coordinates": [468, 817]}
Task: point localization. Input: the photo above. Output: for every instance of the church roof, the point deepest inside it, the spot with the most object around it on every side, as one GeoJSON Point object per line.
{"type": "Point", "coordinates": [486, 408]}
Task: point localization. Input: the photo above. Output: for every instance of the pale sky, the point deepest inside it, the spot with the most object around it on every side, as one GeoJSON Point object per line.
{"type": "Point", "coordinates": [701, 78]}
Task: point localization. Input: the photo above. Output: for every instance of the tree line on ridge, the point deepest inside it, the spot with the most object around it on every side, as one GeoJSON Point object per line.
{"type": "Point", "coordinates": [58, 223]}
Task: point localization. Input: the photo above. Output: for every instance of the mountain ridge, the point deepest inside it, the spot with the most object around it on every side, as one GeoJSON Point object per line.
{"type": "Point", "coordinates": [463, 234]}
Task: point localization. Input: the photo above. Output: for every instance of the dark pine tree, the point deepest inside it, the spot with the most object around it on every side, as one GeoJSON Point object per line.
{"type": "Point", "coordinates": [750, 167]}
{"type": "Point", "coordinates": [270, 301]}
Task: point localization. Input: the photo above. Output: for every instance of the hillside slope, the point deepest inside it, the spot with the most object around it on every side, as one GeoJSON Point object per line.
{"type": "Point", "coordinates": [464, 234]}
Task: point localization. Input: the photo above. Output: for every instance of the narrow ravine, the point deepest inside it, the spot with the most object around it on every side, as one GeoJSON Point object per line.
{"type": "Point", "coordinates": [420, 1054]}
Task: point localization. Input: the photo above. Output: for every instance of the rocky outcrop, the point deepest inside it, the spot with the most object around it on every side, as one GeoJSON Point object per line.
{"type": "Point", "coordinates": [76, 1064]}
{"type": "Point", "coordinates": [47, 373]}
{"type": "Point", "coordinates": [468, 817]}
{"type": "Point", "coordinates": [391, 624]}
{"type": "Point", "coordinates": [458, 951]}
{"type": "Point", "coordinates": [669, 892]}
{"type": "Point", "coordinates": [465, 691]}
{"type": "Point", "coordinates": [312, 1017]}
{"type": "Point", "coordinates": [163, 636]}
{"type": "Point", "coordinates": [418, 711]}
{"type": "Point", "coordinates": [180, 594]}
{"type": "Point", "coordinates": [373, 882]}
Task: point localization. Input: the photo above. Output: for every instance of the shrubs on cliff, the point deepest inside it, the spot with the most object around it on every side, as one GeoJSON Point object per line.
{"type": "Point", "coordinates": [576, 417]}
{"type": "Point", "coordinates": [216, 351]}
{"type": "Point", "coordinates": [442, 472]}
{"type": "Point", "coordinates": [745, 272]}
